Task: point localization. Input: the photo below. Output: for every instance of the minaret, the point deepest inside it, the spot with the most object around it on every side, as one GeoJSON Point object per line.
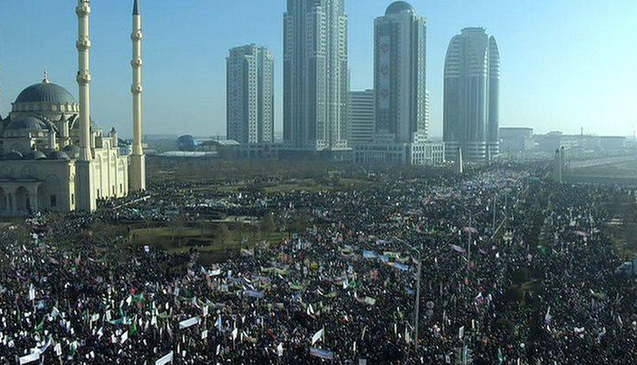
{"type": "Point", "coordinates": [84, 187]}
{"type": "Point", "coordinates": [84, 78]}
{"type": "Point", "coordinates": [138, 161]}
{"type": "Point", "coordinates": [0, 107]}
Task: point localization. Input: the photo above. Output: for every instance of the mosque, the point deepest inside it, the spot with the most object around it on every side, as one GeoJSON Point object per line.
{"type": "Point", "coordinates": [53, 157]}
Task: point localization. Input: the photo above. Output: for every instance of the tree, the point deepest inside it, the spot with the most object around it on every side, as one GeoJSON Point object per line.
{"type": "Point", "coordinates": [223, 233]}
{"type": "Point", "coordinates": [268, 224]}
{"type": "Point", "coordinates": [300, 222]}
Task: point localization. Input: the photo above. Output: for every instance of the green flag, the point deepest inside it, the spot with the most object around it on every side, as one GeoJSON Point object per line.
{"type": "Point", "coordinates": [133, 328]}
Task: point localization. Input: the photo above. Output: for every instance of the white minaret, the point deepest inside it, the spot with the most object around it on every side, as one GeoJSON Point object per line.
{"type": "Point", "coordinates": [84, 77]}
{"type": "Point", "coordinates": [84, 187]}
{"type": "Point", "coordinates": [138, 161]}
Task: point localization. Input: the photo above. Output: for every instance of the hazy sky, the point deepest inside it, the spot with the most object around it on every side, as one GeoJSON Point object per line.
{"type": "Point", "coordinates": [566, 64]}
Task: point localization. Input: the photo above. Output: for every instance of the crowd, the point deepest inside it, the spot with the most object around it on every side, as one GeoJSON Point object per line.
{"type": "Point", "coordinates": [508, 269]}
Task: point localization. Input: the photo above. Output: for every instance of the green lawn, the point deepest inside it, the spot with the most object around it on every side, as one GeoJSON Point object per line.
{"type": "Point", "coordinates": [212, 247]}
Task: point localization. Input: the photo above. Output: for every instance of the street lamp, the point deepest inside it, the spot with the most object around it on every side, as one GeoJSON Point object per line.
{"type": "Point", "coordinates": [470, 231]}
{"type": "Point", "coordinates": [417, 303]}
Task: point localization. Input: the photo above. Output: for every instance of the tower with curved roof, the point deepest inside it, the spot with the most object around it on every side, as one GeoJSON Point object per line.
{"type": "Point", "coordinates": [472, 96]}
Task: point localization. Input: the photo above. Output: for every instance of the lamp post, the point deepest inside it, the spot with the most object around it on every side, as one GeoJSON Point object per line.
{"type": "Point", "coordinates": [470, 231]}
{"type": "Point", "coordinates": [418, 281]}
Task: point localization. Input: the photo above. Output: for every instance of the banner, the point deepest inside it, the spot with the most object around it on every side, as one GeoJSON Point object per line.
{"type": "Point", "coordinates": [254, 294]}
{"type": "Point", "coordinates": [166, 359]}
{"type": "Point", "coordinates": [401, 267]}
{"type": "Point", "coordinates": [29, 358]}
{"type": "Point", "coordinates": [216, 272]}
{"type": "Point", "coordinates": [295, 286]}
{"type": "Point", "coordinates": [390, 254]}
{"type": "Point", "coordinates": [458, 249]}
{"type": "Point", "coordinates": [189, 323]}
{"type": "Point", "coordinates": [322, 354]}
{"type": "Point", "coordinates": [370, 255]}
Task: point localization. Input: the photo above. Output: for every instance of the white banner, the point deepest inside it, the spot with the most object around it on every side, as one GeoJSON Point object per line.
{"type": "Point", "coordinates": [165, 360]}
{"type": "Point", "coordinates": [30, 358]}
{"type": "Point", "coordinates": [189, 323]}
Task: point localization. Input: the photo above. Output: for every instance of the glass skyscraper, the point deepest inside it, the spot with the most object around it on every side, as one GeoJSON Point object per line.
{"type": "Point", "coordinates": [315, 75]}
{"type": "Point", "coordinates": [472, 96]}
{"type": "Point", "coordinates": [400, 69]}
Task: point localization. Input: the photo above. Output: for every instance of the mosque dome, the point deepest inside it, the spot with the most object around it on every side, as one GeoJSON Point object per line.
{"type": "Point", "coordinates": [12, 156]}
{"type": "Point", "coordinates": [187, 143]}
{"type": "Point", "coordinates": [45, 92]}
{"type": "Point", "coordinates": [58, 155]}
{"type": "Point", "coordinates": [399, 7]}
{"type": "Point", "coordinates": [72, 151]}
{"type": "Point", "coordinates": [35, 155]}
{"type": "Point", "coordinates": [76, 125]}
{"type": "Point", "coordinates": [28, 124]}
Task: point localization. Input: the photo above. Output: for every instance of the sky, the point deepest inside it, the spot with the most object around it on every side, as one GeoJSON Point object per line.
{"type": "Point", "coordinates": [566, 64]}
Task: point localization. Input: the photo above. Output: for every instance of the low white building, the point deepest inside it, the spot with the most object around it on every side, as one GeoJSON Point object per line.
{"type": "Point", "coordinates": [389, 152]}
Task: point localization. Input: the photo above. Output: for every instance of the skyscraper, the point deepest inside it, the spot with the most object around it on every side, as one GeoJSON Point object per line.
{"type": "Point", "coordinates": [362, 117]}
{"type": "Point", "coordinates": [471, 96]}
{"type": "Point", "coordinates": [315, 75]}
{"type": "Point", "coordinates": [400, 47]}
{"type": "Point", "coordinates": [250, 95]}
{"type": "Point", "coordinates": [402, 112]}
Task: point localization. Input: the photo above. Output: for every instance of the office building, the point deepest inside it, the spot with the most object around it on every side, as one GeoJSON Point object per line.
{"type": "Point", "coordinates": [250, 95]}
{"type": "Point", "coordinates": [471, 96]}
{"type": "Point", "coordinates": [402, 113]}
{"type": "Point", "coordinates": [400, 40]}
{"type": "Point", "coordinates": [315, 75]}
{"type": "Point", "coordinates": [362, 117]}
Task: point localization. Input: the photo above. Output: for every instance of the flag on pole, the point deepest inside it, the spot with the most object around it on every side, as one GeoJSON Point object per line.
{"type": "Point", "coordinates": [124, 337]}
{"type": "Point", "coordinates": [133, 328]}
{"type": "Point", "coordinates": [31, 292]}
{"type": "Point", "coordinates": [219, 324]}
{"type": "Point", "coordinates": [318, 335]}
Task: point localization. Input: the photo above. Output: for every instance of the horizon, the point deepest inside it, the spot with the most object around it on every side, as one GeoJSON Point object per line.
{"type": "Point", "coordinates": [184, 79]}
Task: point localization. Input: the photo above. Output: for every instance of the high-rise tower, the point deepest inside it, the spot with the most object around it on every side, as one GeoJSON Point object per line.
{"type": "Point", "coordinates": [85, 192]}
{"type": "Point", "coordinates": [400, 48]}
{"type": "Point", "coordinates": [472, 96]}
{"type": "Point", "coordinates": [250, 95]}
{"type": "Point", "coordinates": [137, 158]}
{"type": "Point", "coordinates": [315, 75]}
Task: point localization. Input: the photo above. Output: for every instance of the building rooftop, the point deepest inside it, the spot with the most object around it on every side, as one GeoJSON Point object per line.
{"type": "Point", "coordinates": [45, 92]}
{"type": "Point", "coordinates": [399, 7]}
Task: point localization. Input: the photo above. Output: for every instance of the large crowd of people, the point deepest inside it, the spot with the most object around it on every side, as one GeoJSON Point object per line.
{"type": "Point", "coordinates": [493, 267]}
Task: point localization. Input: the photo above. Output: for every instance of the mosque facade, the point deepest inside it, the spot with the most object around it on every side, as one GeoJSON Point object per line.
{"type": "Point", "coordinates": [53, 157]}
